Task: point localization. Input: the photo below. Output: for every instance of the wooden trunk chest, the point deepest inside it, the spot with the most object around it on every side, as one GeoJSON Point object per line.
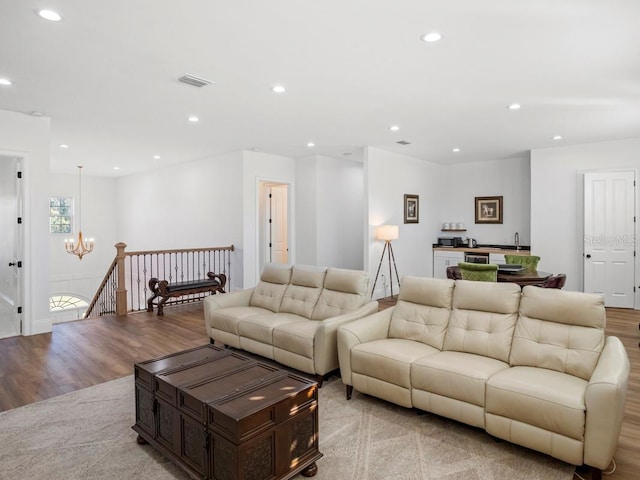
{"type": "Point", "coordinates": [223, 416]}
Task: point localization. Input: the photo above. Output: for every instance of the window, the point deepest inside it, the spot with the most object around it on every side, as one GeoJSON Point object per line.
{"type": "Point", "coordinates": [66, 302]}
{"type": "Point", "coordinates": [60, 214]}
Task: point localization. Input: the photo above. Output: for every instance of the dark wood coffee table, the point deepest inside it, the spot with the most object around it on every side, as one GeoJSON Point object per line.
{"type": "Point", "coordinates": [223, 416]}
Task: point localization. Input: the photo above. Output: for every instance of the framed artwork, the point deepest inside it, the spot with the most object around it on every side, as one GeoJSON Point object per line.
{"type": "Point", "coordinates": [489, 209]}
{"type": "Point", "coordinates": [411, 206]}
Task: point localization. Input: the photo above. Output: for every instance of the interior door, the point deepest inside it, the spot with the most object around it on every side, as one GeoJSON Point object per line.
{"type": "Point", "coordinates": [609, 236]}
{"type": "Point", "coordinates": [278, 240]}
{"type": "Point", "coordinates": [10, 264]}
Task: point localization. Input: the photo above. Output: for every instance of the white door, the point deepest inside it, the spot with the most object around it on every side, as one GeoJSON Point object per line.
{"type": "Point", "coordinates": [609, 236]}
{"type": "Point", "coordinates": [278, 232]}
{"type": "Point", "coordinates": [10, 262]}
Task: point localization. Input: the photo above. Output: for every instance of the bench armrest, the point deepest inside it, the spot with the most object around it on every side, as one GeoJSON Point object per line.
{"type": "Point", "coordinates": [366, 329]}
{"type": "Point", "coordinates": [325, 341]}
{"type": "Point", "coordinates": [604, 399]}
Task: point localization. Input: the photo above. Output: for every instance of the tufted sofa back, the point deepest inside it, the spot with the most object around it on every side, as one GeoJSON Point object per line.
{"type": "Point", "coordinates": [344, 290]}
{"type": "Point", "coordinates": [559, 330]}
{"type": "Point", "coordinates": [422, 311]}
{"type": "Point", "coordinates": [483, 318]}
{"type": "Point", "coordinates": [270, 290]}
{"type": "Point", "coordinates": [304, 290]}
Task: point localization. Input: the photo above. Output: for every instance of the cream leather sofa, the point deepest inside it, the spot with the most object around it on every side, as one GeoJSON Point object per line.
{"type": "Point", "coordinates": [531, 367]}
{"type": "Point", "coordinates": [292, 316]}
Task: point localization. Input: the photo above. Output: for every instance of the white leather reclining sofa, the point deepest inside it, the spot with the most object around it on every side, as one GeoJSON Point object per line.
{"type": "Point", "coordinates": [292, 315]}
{"type": "Point", "coordinates": [531, 367]}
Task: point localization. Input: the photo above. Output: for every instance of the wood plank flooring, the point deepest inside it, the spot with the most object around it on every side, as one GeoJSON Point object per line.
{"type": "Point", "coordinates": [88, 352]}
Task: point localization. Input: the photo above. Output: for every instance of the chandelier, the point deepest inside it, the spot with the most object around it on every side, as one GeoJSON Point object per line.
{"type": "Point", "coordinates": [80, 247]}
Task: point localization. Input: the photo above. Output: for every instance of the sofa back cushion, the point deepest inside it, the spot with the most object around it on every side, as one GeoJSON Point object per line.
{"type": "Point", "coordinates": [422, 311]}
{"type": "Point", "coordinates": [303, 291]}
{"type": "Point", "coordinates": [270, 290]}
{"type": "Point", "coordinates": [559, 330]}
{"type": "Point", "coordinates": [483, 318]}
{"type": "Point", "coordinates": [344, 290]}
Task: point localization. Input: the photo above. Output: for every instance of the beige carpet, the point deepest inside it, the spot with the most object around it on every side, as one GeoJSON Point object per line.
{"type": "Point", "coordinates": [87, 435]}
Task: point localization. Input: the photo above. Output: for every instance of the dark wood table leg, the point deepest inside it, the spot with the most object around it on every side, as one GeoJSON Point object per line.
{"type": "Point", "coordinates": [310, 471]}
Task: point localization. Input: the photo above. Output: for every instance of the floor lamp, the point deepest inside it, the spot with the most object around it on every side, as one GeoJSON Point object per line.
{"type": "Point", "coordinates": [387, 233]}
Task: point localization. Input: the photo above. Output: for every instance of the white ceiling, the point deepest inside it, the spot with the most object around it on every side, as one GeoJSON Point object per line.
{"type": "Point", "coordinates": [107, 76]}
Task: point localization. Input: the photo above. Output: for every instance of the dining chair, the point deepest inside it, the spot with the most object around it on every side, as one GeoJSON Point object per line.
{"type": "Point", "coordinates": [453, 272]}
{"type": "Point", "coordinates": [480, 272]}
{"type": "Point", "coordinates": [555, 281]}
{"type": "Point", "coordinates": [530, 262]}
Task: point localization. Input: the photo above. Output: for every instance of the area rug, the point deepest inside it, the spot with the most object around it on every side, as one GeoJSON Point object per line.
{"type": "Point", "coordinates": [87, 435]}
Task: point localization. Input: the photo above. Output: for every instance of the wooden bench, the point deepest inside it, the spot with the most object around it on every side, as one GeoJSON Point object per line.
{"type": "Point", "coordinates": [214, 283]}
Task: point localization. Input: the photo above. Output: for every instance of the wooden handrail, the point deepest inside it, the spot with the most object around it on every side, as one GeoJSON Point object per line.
{"type": "Point", "coordinates": [87, 314]}
{"type": "Point", "coordinates": [180, 250]}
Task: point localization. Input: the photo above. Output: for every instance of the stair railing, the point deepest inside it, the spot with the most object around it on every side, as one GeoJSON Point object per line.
{"type": "Point", "coordinates": [125, 287]}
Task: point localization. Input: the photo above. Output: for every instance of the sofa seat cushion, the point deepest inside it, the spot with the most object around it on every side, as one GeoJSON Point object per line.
{"type": "Point", "coordinates": [227, 319]}
{"type": "Point", "coordinates": [260, 327]}
{"type": "Point", "coordinates": [457, 375]}
{"type": "Point", "coordinates": [296, 337]}
{"type": "Point", "coordinates": [547, 399]}
{"type": "Point", "coordinates": [389, 359]}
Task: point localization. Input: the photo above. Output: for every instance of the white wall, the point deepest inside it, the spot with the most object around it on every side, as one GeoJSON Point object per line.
{"type": "Point", "coordinates": [508, 178]}
{"type": "Point", "coordinates": [29, 137]}
{"type": "Point", "coordinates": [388, 177]}
{"type": "Point", "coordinates": [262, 167]}
{"type": "Point", "coordinates": [99, 220]}
{"type": "Point", "coordinates": [330, 208]}
{"type": "Point", "coordinates": [557, 200]}
{"type": "Point", "coordinates": [306, 211]}
{"type": "Point", "coordinates": [340, 209]}
{"type": "Point", "coordinates": [190, 205]}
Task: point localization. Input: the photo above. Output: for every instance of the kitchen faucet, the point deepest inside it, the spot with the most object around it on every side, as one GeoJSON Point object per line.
{"type": "Point", "coordinates": [517, 241]}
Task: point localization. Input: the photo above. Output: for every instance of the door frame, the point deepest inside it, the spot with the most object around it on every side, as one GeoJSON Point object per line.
{"type": "Point", "coordinates": [580, 232]}
{"type": "Point", "coordinates": [260, 231]}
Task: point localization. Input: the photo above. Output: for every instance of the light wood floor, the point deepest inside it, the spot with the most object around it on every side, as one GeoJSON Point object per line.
{"type": "Point", "coordinates": [88, 352]}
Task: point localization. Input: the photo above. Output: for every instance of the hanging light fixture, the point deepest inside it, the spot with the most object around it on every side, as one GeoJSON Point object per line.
{"type": "Point", "coordinates": [81, 247]}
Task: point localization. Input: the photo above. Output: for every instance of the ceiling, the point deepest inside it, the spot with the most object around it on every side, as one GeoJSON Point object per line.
{"type": "Point", "coordinates": [106, 75]}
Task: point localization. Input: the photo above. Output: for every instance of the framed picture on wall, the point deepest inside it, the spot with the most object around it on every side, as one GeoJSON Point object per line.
{"type": "Point", "coordinates": [489, 209]}
{"type": "Point", "coordinates": [411, 207]}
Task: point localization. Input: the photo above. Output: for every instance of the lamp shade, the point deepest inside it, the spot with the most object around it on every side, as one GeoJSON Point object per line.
{"type": "Point", "coordinates": [387, 232]}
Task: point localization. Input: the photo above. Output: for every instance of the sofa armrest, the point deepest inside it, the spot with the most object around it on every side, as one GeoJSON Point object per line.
{"type": "Point", "coordinates": [366, 329]}
{"type": "Point", "coordinates": [604, 399]}
{"type": "Point", "coordinates": [224, 300]}
{"type": "Point", "coordinates": [325, 341]}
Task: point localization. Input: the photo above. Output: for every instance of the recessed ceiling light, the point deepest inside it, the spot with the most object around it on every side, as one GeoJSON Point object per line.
{"type": "Point", "coordinates": [311, 144]}
{"type": "Point", "coordinates": [156, 157]}
{"type": "Point", "coordinates": [278, 89]}
{"type": "Point", "coordinates": [514, 106]}
{"type": "Point", "coordinates": [194, 119]}
{"type": "Point", "coordinates": [347, 154]}
{"type": "Point", "coordinates": [456, 150]}
{"type": "Point", "coordinates": [394, 128]}
{"type": "Point", "coordinates": [431, 37]}
{"type": "Point", "coordinates": [557, 137]}
{"type": "Point", "coordinates": [63, 145]}
{"type": "Point", "coordinates": [49, 15]}
{"type": "Point", "coordinates": [35, 113]}
{"type": "Point", "coordinates": [116, 168]}
{"type": "Point", "coordinates": [5, 81]}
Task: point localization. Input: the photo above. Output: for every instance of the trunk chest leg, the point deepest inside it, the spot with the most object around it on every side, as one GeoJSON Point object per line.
{"type": "Point", "coordinates": [310, 471]}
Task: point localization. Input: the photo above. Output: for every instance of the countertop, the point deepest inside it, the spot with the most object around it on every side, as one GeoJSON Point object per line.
{"type": "Point", "coordinates": [485, 249]}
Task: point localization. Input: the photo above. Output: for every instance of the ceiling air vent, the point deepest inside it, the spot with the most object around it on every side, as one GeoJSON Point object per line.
{"type": "Point", "coordinates": [403, 142]}
{"type": "Point", "coordinates": [195, 81]}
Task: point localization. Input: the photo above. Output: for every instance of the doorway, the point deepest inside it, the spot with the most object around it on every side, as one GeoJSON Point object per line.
{"type": "Point", "coordinates": [10, 246]}
{"type": "Point", "coordinates": [275, 223]}
{"type": "Point", "coordinates": [609, 236]}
